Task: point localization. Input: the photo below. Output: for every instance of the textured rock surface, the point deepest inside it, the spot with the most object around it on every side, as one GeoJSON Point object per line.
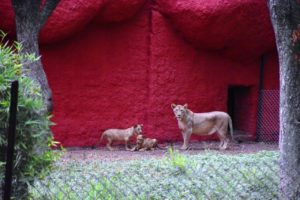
{"type": "Point", "coordinates": [237, 28]}
{"type": "Point", "coordinates": [71, 16]}
{"type": "Point", "coordinates": [7, 17]}
{"type": "Point", "coordinates": [126, 61]}
{"type": "Point", "coordinates": [99, 81]}
{"type": "Point", "coordinates": [180, 74]}
{"type": "Point", "coordinates": [117, 11]}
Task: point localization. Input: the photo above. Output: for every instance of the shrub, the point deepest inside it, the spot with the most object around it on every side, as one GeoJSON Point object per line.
{"type": "Point", "coordinates": [177, 160]}
{"type": "Point", "coordinates": [32, 156]}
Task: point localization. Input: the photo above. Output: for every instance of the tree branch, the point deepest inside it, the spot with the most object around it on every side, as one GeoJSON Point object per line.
{"type": "Point", "coordinates": [46, 11]}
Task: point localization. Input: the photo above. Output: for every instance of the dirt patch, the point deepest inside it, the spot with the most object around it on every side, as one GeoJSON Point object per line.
{"type": "Point", "coordinates": [103, 154]}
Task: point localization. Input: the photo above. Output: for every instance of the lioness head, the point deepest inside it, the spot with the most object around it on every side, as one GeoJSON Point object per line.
{"type": "Point", "coordinates": [138, 129]}
{"type": "Point", "coordinates": [179, 110]}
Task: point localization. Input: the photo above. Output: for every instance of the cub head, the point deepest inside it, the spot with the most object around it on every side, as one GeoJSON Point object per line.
{"type": "Point", "coordinates": [139, 139]}
{"type": "Point", "coordinates": [180, 111]}
{"type": "Point", "coordinates": [138, 129]}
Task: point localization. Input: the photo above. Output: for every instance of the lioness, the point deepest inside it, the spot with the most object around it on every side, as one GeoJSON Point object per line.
{"type": "Point", "coordinates": [202, 124]}
{"type": "Point", "coordinates": [143, 144]}
{"type": "Point", "coordinates": [121, 135]}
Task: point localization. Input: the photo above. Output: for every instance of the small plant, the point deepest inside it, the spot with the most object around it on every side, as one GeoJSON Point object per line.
{"type": "Point", "coordinates": [177, 160]}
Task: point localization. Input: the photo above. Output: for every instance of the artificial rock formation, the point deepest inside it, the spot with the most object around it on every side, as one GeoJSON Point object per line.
{"type": "Point", "coordinates": [116, 63]}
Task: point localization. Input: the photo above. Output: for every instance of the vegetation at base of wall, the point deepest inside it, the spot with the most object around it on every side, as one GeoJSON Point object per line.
{"type": "Point", "coordinates": [32, 156]}
{"type": "Point", "coordinates": [210, 175]}
{"type": "Point", "coordinates": [177, 160]}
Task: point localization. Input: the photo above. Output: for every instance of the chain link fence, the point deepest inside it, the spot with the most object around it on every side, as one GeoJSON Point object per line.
{"type": "Point", "coordinates": [268, 116]}
{"type": "Point", "coordinates": [169, 175]}
{"type": "Point", "coordinates": [247, 170]}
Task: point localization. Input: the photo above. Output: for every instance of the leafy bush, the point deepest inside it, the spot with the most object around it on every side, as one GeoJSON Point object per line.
{"type": "Point", "coordinates": [32, 155]}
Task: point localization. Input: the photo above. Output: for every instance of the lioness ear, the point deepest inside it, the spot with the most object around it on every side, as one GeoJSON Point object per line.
{"type": "Point", "coordinates": [173, 105]}
{"type": "Point", "coordinates": [185, 106]}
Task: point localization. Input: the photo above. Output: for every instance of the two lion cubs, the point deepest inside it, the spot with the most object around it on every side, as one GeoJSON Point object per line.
{"type": "Point", "coordinates": [124, 135]}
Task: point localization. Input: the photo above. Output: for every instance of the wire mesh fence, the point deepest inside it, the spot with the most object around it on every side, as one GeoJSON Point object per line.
{"type": "Point", "coordinates": [268, 116]}
{"type": "Point", "coordinates": [247, 170]}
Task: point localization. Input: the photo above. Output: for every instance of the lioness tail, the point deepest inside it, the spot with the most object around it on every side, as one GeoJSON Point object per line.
{"type": "Point", "coordinates": [231, 129]}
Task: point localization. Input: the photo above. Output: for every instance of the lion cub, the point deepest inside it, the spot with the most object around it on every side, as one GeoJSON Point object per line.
{"type": "Point", "coordinates": [143, 144]}
{"type": "Point", "coordinates": [121, 135]}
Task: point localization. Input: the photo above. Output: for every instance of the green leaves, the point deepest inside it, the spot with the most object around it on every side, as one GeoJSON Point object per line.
{"type": "Point", "coordinates": [33, 155]}
{"type": "Point", "coordinates": [177, 160]}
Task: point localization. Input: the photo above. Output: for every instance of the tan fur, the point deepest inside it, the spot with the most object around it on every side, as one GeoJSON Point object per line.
{"type": "Point", "coordinates": [202, 124]}
{"type": "Point", "coordinates": [144, 144]}
{"type": "Point", "coordinates": [121, 135]}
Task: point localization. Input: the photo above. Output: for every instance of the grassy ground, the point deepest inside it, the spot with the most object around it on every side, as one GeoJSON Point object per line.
{"type": "Point", "coordinates": [176, 176]}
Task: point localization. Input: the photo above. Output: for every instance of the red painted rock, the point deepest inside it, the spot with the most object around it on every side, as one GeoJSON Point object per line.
{"type": "Point", "coordinates": [69, 16]}
{"type": "Point", "coordinates": [7, 22]}
{"type": "Point", "coordinates": [113, 76]}
{"type": "Point", "coordinates": [239, 28]}
{"type": "Point", "coordinates": [117, 11]}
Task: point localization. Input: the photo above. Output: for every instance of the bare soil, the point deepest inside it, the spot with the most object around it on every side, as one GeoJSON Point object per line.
{"type": "Point", "coordinates": [103, 154]}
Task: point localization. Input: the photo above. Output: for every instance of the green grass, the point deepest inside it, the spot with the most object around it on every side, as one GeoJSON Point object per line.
{"type": "Point", "coordinates": [207, 176]}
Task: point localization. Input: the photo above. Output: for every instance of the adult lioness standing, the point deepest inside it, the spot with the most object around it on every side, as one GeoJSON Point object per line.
{"type": "Point", "coordinates": [202, 124]}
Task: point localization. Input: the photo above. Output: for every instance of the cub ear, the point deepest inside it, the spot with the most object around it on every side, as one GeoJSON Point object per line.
{"type": "Point", "coordinates": [173, 105]}
{"type": "Point", "coordinates": [185, 106]}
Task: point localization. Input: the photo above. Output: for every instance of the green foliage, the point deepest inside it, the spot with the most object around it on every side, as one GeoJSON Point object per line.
{"type": "Point", "coordinates": [211, 175]}
{"type": "Point", "coordinates": [33, 137]}
{"type": "Point", "coordinates": [177, 160]}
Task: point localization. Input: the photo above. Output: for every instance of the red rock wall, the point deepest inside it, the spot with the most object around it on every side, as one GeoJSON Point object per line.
{"type": "Point", "coordinates": [99, 80]}
{"type": "Point", "coordinates": [181, 74]}
{"type": "Point", "coordinates": [114, 65]}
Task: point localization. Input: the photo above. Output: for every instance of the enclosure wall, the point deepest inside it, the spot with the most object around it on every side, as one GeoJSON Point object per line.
{"type": "Point", "coordinates": [119, 69]}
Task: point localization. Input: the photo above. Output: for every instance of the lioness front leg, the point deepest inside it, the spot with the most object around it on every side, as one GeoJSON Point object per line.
{"type": "Point", "coordinates": [186, 139]}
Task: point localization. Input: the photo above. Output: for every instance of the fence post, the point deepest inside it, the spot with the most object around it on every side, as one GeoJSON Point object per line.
{"type": "Point", "coordinates": [11, 140]}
